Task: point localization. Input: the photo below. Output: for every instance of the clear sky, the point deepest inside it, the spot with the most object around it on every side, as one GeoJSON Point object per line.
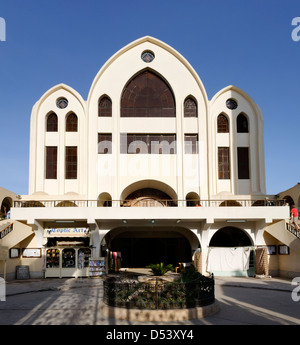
{"type": "Point", "coordinates": [246, 43]}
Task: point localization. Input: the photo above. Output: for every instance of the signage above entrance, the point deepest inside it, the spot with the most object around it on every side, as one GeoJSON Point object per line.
{"type": "Point", "coordinates": [67, 232]}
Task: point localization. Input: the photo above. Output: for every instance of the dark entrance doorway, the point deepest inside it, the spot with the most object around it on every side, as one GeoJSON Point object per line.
{"type": "Point", "coordinates": [230, 237]}
{"type": "Point", "coordinates": [140, 252]}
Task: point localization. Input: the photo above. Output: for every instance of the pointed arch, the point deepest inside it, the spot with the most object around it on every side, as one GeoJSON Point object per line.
{"type": "Point", "coordinates": [71, 123]}
{"type": "Point", "coordinates": [190, 107]}
{"type": "Point", "coordinates": [222, 124]}
{"type": "Point", "coordinates": [242, 125]}
{"type": "Point", "coordinates": [51, 122]}
{"type": "Point", "coordinates": [147, 95]}
{"type": "Point", "coordinates": [104, 106]}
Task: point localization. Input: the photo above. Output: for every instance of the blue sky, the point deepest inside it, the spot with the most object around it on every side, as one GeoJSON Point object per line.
{"type": "Point", "coordinates": [244, 43]}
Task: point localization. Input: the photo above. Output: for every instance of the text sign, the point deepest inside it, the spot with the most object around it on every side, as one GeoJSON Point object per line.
{"type": "Point", "coordinates": [67, 232]}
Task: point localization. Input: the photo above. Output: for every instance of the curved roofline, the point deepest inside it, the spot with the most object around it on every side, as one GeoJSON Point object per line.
{"type": "Point", "coordinates": [241, 92]}
{"type": "Point", "coordinates": [57, 87]}
{"type": "Point", "coordinates": [158, 43]}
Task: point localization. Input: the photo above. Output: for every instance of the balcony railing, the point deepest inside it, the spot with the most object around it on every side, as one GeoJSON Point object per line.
{"type": "Point", "coordinates": [4, 232]}
{"type": "Point", "coordinates": [148, 202]}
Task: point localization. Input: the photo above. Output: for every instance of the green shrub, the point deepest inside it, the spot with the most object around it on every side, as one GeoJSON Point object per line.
{"type": "Point", "coordinates": [160, 269]}
{"type": "Point", "coordinates": [189, 274]}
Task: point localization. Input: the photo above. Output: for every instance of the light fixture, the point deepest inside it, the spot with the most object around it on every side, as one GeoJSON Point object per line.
{"type": "Point", "coordinates": [178, 221]}
{"type": "Point", "coordinates": [124, 221]}
{"type": "Point", "coordinates": [236, 221]}
{"type": "Point", "coordinates": [152, 221]}
{"type": "Point", "coordinates": [65, 221]}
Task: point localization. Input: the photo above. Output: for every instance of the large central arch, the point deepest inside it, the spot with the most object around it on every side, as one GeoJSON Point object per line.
{"type": "Point", "coordinates": [147, 95]}
{"type": "Point", "coordinates": [146, 186]}
{"type": "Point", "coordinates": [141, 246]}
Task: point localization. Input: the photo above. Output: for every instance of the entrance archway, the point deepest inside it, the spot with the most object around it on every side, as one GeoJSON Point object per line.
{"type": "Point", "coordinates": [231, 253]}
{"type": "Point", "coordinates": [140, 247]}
{"type": "Point", "coordinates": [230, 237]}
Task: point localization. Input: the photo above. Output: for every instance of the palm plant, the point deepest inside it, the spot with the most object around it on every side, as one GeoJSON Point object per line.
{"type": "Point", "coordinates": [160, 269]}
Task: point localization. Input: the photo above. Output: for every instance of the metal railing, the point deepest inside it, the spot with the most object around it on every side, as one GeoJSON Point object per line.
{"type": "Point", "coordinates": [4, 232]}
{"type": "Point", "coordinates": [148, 203]}
{"type": "Point", "coordinates": [158, 294]}
{"type": "Point", "coordinates": [292, 230]}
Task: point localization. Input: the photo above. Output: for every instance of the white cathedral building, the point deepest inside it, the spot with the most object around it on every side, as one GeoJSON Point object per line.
{"type": "Point", "coordinates": [147, 167]}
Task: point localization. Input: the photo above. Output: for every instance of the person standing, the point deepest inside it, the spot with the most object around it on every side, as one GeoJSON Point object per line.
{"type": "Point", "coordinates": [294, 217]}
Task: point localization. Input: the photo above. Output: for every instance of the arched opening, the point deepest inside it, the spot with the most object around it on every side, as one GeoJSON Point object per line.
{"type": "Point", "coordinates": [32, 203]}
{"type": "Point", "coordinates": [105, 107]}
{"type": "Point", "coordinates": [66, 203]}
{"type": "Point", "coordinates": [192, 199]}
{"type": "Point", "coordinates": [142, 246]}
{"type": "Point", "coordinates": [190, 107]}
{"type": "Point", "coordinates": [226, 203]}
{"type": "Point", "coordinates": [104, 200]}
{"type": "Point", "coordinates": [72, 123]}
{"type": "Point", "coordinates": [222, 124]}
{"type": "Point", "coordinates": [231, 253]}
{"type": "Point", "coordinates": [52, 123]}
{"type": "Point", "coordinates": [230, 237]}
{"type": "Point", "coordinates": [147, 95]}
{"type": "Point", "coordinates": [160, 193]}
{"type": "Point", "coordinates": [242, 124]}
{"type": "Point", "coordinates": [5, 207]}
{"type": "Point", "coordinates": [148, 197]}
{"type": "Point", "coordinates": [289, 200]}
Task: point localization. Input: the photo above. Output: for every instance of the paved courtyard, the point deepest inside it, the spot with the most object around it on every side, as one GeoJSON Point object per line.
{"type": "Point", "coordinates": [243, 301]}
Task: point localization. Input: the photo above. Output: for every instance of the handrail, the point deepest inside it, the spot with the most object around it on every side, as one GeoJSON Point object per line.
{"type": "Point", "coordinates": [6, 230]}
{"type": "Point", "coordinates": [292, 230]}
{"type": "Point", "coordinates": [147, 203]}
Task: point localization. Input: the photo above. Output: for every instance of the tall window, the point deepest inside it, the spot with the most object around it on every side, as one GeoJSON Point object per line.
{"type": "Point", "coordinates": [222, 124]}
{"type": "Point", "coordinates": [71, 123]}
{"type": "Point", "coordinates": [148, 143]}
{"type": "Point", "coordinates": [191, 143]}
{"type": "Point", "coordinates": [71, 162]}
{"type": "Point", "coordinates": [51, 162]}
{"type": "Point", "coordinates": [223, 163]}
{"type": "Point", "coordinates": [242, 124]}
{"type": "Point", "coordinates": [190, 108]}
{"type": "Point", "coordinates": [104, 143]}
{"type": "Point", "coordinates": [52, 123]}
{"type": "Point", "coordinates": [105, 107]}
{"type": "Point", "coordinates": [243, 163]}
{"type": "Point", "coordinates": [147, 95]}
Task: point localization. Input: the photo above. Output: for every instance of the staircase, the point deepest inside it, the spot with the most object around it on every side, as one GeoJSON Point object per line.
{"type": "Point", "coordinates": [13, 232]}
{"type": "Point", "coordinates": [285, 233]}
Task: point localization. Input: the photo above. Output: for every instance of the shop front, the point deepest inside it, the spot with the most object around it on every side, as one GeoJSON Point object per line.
{"type": "Point", "coordinates": [68, 253]}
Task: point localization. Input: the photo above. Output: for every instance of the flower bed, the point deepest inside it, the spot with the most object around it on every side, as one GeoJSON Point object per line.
{"type": "Point", "coordinates": [126, 291]}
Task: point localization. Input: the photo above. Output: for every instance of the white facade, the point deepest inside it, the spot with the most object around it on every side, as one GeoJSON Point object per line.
{"type": "Point", "coordinates": [112, 177]}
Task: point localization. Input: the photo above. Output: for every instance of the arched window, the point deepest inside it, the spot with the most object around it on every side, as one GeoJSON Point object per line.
{"type": "Point", "coordinates": [72, 123]}
{"type": "Point", "coordinates": [105, 107]}
{"type": "Point", "coordinates": [190, 108]}
{"type": "Point", "coordinates": [222, 124]}
{"type": "Point", "coordinates": [147, 95]}
{"type": "Point", "coordinates": [52, 123]}
{"type": "Point", "coordinates": [242, 124]}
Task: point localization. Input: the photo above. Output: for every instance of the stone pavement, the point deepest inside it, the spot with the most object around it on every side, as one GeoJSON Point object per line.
{"type": "Point", "coordinates": [16, 287]}
{"type": "Point", "coordinates": [71, 301]}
